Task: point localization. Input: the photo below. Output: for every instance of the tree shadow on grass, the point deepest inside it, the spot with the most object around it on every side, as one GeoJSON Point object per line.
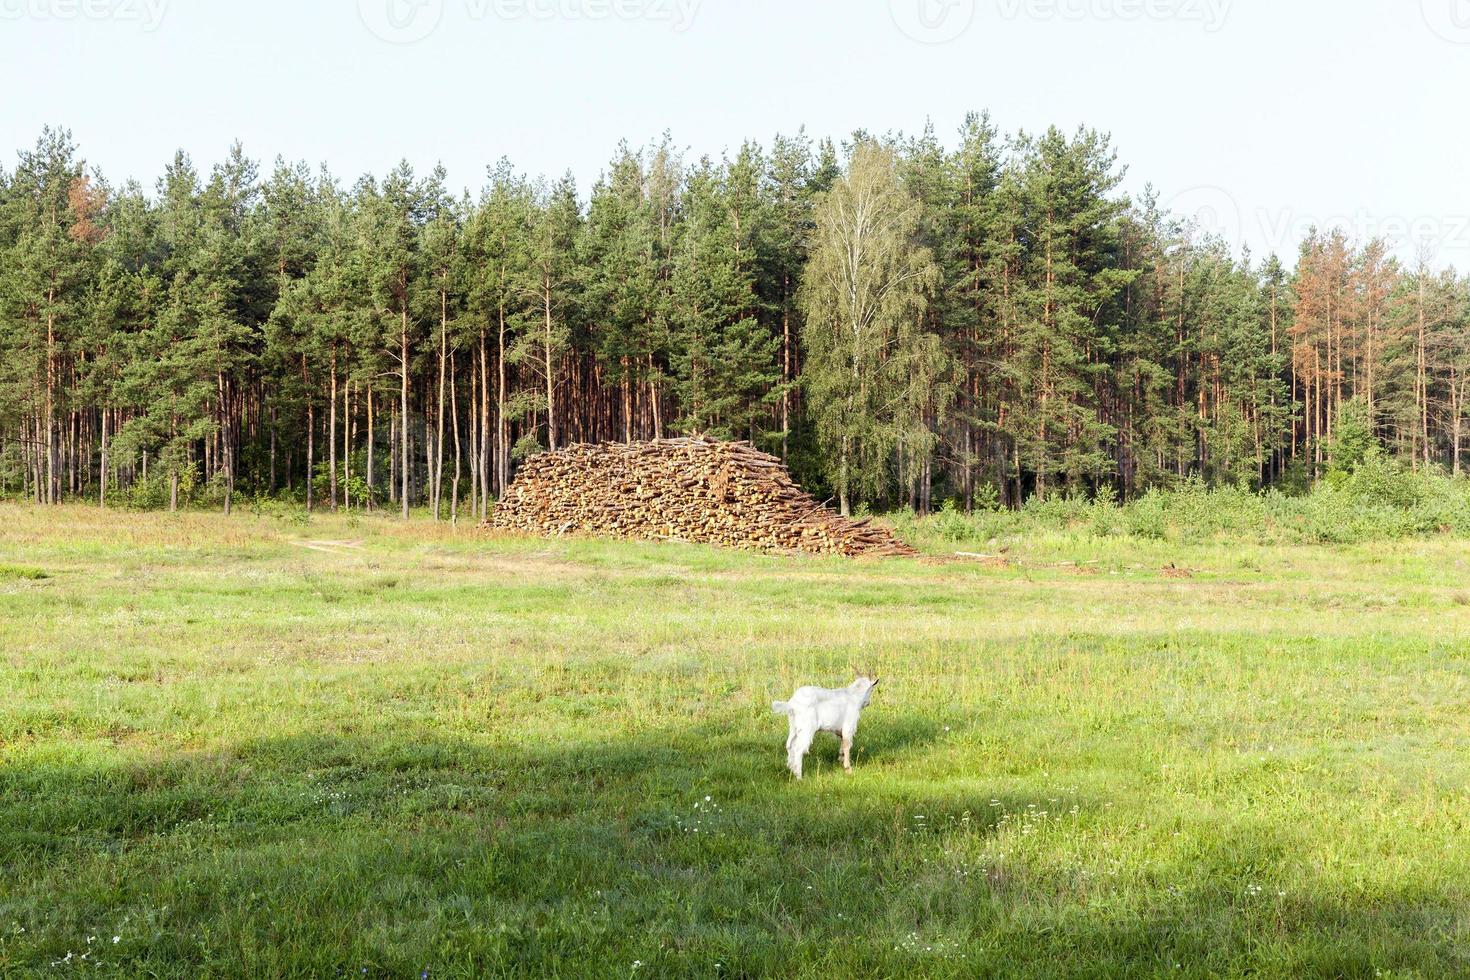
{"type": "Point", "coordinates": [675, 852]}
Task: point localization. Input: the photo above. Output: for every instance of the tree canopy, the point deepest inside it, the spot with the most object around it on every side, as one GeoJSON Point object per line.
{"type": "Point", "coordinates": [904, 319]}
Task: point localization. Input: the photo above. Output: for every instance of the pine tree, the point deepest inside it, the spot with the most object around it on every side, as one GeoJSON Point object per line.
{"type": "Point", "coordinates": [120, 304]}
{"type": "Point", "coordinates": [550, 287]}
{"type": "Point", "coordinates": [724, 359]}
{"type": "Point", "coordinates": [1069, 281]}
{"type": "Point", "coordinates": [44, 275]}
{"type": "Point", "coordinates": [444, 264]}
{"type": "Point", "coordinates": [230, 315]}
{"type": "Point", "coordinates": [498, 238]}
{"type": "Point", "coordinates": [171, 378]}
{"type": "Point", "coordinates": [790, 187]}
{"type": "Point", "coordinates": [973, 256]}
{"type": "Point", "coordinates": [390, 248]}
{"type": "Point", "coordinates": [624, 297]}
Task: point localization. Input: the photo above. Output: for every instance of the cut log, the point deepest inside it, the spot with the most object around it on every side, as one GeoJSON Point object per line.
{"type": "Point", "coordinates": [723, 493]}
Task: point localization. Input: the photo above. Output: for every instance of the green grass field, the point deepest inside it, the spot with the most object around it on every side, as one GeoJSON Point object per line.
{"type": "Point", "coordinates": [257, 747]}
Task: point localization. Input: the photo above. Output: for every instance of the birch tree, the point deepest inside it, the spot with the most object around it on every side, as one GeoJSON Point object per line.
{"type": "Point", "coordinates": [866, 287]}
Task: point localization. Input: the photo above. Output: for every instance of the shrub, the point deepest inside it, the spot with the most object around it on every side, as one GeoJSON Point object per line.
{"type": "Point", "coordinates": [1379, 500]}
{"type": "Point", "coordinates": [1148, 517]}
{"type": "Point", "coordinates": [153, 493]}
{"type": "Point", "coordinates": [1353, 443]}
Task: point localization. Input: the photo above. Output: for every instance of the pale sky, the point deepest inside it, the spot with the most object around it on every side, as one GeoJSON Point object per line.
{"type": "Point", "coordinates": [1262, 116]}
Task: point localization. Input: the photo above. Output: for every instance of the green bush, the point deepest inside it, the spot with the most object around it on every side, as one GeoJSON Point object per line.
{"type": "Point", "coordinates": [1380, 499]}
{"type": "Point", "coordinates": [153, 493]}
{"type": "Point", "coordinates": [1106, 517]}
{"type": "Point", "coordinates": [1148, 517]}
{"type": "Point", "coordinates": [1354, 442]}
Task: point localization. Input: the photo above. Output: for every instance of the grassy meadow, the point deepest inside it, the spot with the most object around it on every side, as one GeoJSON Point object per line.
{"type": "Point", "coordinates": [266, 747]}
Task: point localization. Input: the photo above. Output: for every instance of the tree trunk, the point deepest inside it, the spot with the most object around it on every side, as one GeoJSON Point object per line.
{"type": "Point", "coordinates": [332, 434]}
{"type": "Point", "coordinates": [443, 358]}
{"type": "Point", "coordinates": [371, 447]}
{"type": "Point", "coordinates": [403, 407]}
{"type": "Point", "coordinates": [550, 374]}
{"type": "Point", "coordinates": [1459, 413]}
{"type": "Point", "coordinates": [472, 435]}
{"type": "Point", "coordinates": [173, 472]}
{"type": "Point", "coordinates": [502, 424]}
{"type": "Point", "coordinates": [347, 444]}
{"type": "Point", "coordinates": [1422, 395]}
{"type": "Point", "coordinates": [655, 408]}
{"type": "Point", "coordinates": [310, 433]}
{"type": "Point", "coordinates": [429, 454]}
{"type": "Point", "coordinates": [785, 368]}
{"type": "Point", "coordinates": [51, 448]}
{"type": "Point", "coordinates": [926, 499]}
{"type": "Point", "coordinates": [226, 462]}
{"type": "Point", "coordinates": [843, 499]}
{"type": "Point", "coordinates": [102, 476]}
{"type": "Point", "coordinates": [1457, 410]}
{"type": "Point", "coordinates": [454, 486]}
{"type": "Point", "coordinates": [487, 442]}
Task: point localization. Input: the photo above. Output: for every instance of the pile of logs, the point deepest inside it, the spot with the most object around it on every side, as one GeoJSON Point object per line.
{"type": "Point", "coordinates": [722, 493]}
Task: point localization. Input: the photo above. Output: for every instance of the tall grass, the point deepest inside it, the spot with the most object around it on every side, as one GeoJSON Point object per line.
{"type": "Point", "coordinates": [1379, 501]}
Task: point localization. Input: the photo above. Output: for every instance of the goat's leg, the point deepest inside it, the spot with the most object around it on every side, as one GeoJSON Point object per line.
{"type": "Point", "coordinates": [801, 741]}
{"type": "Point", "coordinates": [793, 761]}
{"type": "Point", "coordinates": [847, 754]}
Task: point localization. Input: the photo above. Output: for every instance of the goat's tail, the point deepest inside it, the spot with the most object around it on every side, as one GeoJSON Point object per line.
{"type": "Point", "coordinates": [781, 707]}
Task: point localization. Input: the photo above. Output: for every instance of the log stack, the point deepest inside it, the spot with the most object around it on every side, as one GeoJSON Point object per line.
{"type": "Point", "coordinates": [722, 493]}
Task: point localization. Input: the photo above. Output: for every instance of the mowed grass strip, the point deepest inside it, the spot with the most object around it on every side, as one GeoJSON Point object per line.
{"type": "Point", "coordinates": [255, 747]}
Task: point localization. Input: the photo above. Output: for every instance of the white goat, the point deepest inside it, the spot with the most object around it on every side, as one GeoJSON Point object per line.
{"type": "Point", "coordinates": [817, 709]}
